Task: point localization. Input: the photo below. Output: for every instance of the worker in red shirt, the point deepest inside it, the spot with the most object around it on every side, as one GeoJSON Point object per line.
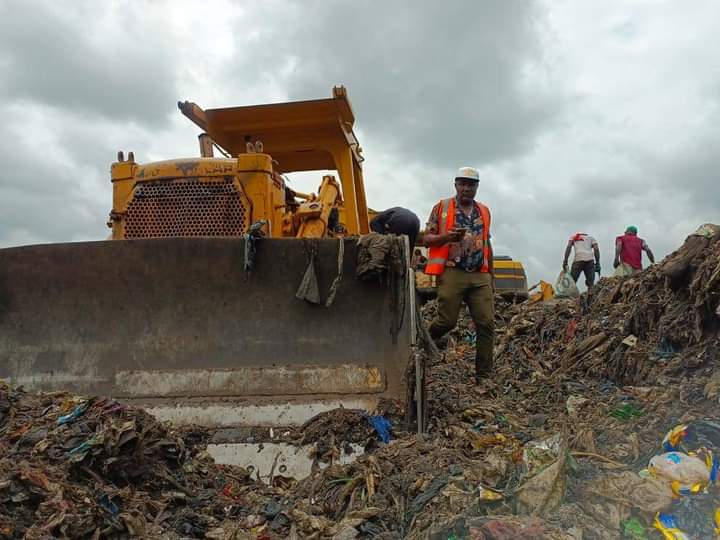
{"type": "Point", "coordinates": [628, 252]}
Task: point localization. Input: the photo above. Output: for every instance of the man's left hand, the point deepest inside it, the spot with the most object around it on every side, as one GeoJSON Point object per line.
{"type": "Point", "coordinates": [597, 267]}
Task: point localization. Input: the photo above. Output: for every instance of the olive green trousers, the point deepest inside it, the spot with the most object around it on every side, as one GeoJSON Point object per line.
{"type": "Point", "coordinates": [474, 288]}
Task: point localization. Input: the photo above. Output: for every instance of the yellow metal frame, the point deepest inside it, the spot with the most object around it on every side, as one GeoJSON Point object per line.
{"type": "Point", "coordinates": [263, 142]}
{"type": "Point", "coordinates": [252, 176]}
{"type": "Point", "coordinates": [300, 136]}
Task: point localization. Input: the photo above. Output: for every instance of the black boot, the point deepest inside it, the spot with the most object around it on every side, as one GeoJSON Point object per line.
{"type": "Point", "coordinates": [441, 339]}
{"type": "Point", "coordinates": [483, 367]}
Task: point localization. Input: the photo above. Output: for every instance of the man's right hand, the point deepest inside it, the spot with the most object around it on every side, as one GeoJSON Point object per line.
{"type": "Point", "coordinates": [565, 266]}
{"type": "Point", "coordinates": [454, 235]}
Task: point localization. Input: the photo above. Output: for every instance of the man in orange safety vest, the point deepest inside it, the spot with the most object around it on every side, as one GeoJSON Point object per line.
{"type": "Point", "coordinates": [460, 255]}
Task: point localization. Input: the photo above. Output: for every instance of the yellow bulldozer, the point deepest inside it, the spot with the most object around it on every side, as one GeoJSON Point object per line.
{"type": "Point", "coordinates": [192, 308]}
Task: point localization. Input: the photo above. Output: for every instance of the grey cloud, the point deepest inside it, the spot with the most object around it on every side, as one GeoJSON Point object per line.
{"type": "Point", "coordinates": [86, 56]}
{"type": "Point", "coordinates": [440, 83]}
{"type": "Point", "coordinates": [55, 183]}
{"type": "Point", "coordinates": [693, 177]}
{"type": "Point", "coordinates": [42, 202]}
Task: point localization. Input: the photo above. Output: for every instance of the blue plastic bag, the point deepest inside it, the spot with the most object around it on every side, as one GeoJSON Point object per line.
{"type": "Point", "coordinates": [381, 425]}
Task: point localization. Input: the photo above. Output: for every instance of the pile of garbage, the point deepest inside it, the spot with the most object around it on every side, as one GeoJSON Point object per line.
{"type": "Point", "coordinates": [649, 328]}
{"type": "Point", "coordinates": [593, 384]}
{"type": "Point", "coordinates": [600, 422]}
{"type": "Point", "coordinates": [72, 467]}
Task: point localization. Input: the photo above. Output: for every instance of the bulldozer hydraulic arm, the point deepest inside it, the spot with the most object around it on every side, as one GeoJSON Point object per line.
{"type": "Point", "coordinates": [314, 213]}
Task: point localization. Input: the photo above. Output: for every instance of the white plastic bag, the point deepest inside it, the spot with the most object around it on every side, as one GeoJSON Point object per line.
{"type": "Point", "coordinates": [624, 270]}
{"type": "Point", "coordinates": [565, 286]}
{"type": "Point", "coordinates": [689, 472]}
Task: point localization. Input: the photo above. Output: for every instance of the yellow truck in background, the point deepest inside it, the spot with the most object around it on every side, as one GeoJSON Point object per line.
{"type": "Point", "coordinates": [510, 279]}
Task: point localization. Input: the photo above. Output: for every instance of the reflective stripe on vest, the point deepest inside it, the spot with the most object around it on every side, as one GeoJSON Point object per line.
{"type": "Point", "coordinates": [443, 218]}
{"type": "Point", "coordinates": [438, 256]}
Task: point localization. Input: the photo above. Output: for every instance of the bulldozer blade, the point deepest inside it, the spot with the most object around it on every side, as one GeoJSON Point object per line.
{"type": "Point", "coordinates": [178, 326]}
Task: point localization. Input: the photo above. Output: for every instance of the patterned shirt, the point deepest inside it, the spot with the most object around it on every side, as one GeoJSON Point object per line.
{"type": "Point", "coordinates": [468, 252]}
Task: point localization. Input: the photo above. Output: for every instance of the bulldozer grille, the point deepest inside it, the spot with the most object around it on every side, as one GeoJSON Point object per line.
{"type": "Point", "coordinates": [186, 207]}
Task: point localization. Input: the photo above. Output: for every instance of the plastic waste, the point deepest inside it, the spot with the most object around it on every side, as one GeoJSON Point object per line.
{"type": "Point", "coordinates": [543, 466]}
{"type": "Point", "coordinates": [686, 474]}
{"type": "Point", "coordinates": [76, 413]}
{"type": "Point", "coordinates": [628, 491]}
{"type": "Point", "coordinates": [707, 230]}
{"type": "Point", "coordinates": [381, 425]}
{"type": "Point", "coordinates": [574, 403]}
{"type": "Point", "coordinates": [665, 349]}
{"type": "Point", "coordinates": [632, 528]}
{"type": "Point", "coordinates": [78, 453]}
{"type": "Point", "coordinates": [565, 286]}
{"type": "Point", "coordinates": [539, 454]}
{"type": "Point", "coordinates": [309, 290]}
{"type": "Point", "coordinates": [626, 412]}
{"type": "Point", "coordinates": [543, 493]}
{"type": "Point", "coordinates": [667, 525]}
{"type": "Point", "coordinates": [696, 439]}
{"type": "Point", "coordinates": [570, 330]}
{"type": "Point", "coordinates": [671, 441]}
{"type": "Point", "coordinates": [624, 270]}
{"type": "Point", "coordinates": [489, 495]}
{"type": "Point", "coordinates": [106, 502]}
{"type": "Point", "coordinates": [630, 341]}
{"type": "Point", "coordinates": [693, 436]}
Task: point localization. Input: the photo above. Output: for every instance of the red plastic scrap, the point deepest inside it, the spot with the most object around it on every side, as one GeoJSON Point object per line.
{"type": "Point", "coordinates": [231, 492]}
{"type": "Point", "coordinates": [570, 333]}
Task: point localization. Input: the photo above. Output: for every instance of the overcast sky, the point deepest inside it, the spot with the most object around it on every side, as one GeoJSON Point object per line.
{"type": "Point", "coordinates": [581, 115]}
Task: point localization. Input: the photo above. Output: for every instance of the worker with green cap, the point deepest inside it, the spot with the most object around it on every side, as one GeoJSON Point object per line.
{"type": "Point", "coordinates": [628, 253]}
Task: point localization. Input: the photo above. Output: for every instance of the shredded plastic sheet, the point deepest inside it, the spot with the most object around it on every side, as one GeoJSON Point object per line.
{"type": "Point", "coordinates": [75, 414]}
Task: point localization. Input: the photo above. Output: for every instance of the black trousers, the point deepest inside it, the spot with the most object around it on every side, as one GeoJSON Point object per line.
{"type": "Point", "coordinates": [587, 267]}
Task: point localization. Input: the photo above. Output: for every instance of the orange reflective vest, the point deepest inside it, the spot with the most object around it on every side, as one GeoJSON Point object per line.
{"type": "Point", "coordinates": [438, 256]}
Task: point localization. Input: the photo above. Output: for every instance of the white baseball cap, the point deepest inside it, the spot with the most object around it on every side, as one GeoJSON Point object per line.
{"type": "Point", "coordinates": [468, 173]}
